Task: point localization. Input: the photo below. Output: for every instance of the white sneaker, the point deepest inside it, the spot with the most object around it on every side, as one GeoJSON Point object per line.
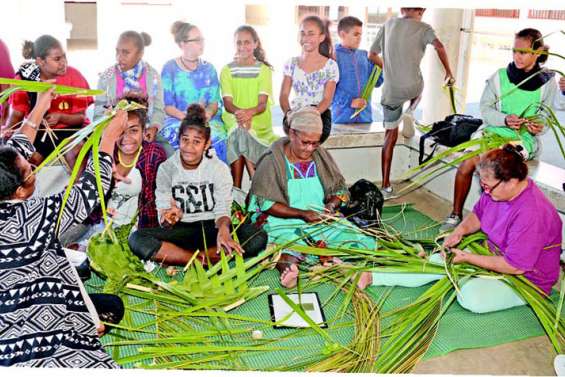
{"type": "Point", "coordinates": [450, 223]}
{"type": "Point", "coordinates": [559, 365]}
{"type": "Point", "coordinates": [408, 129]}
{"type": "Point", "coordinates": [387, 193]}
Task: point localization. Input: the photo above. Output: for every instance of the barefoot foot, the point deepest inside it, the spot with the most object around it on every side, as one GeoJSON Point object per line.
{"type": "Point", "coordinates": [365, 280]}
{"type": "Point", "coordinates": [289, 276]}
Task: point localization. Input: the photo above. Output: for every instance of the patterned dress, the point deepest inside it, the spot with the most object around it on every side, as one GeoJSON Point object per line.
{"type": "Point", "coordinates": [181, 88]}
{"type": "Point", "coordinates": [44, 321]}
{"type": "Point", "coordinates": [308, 88]}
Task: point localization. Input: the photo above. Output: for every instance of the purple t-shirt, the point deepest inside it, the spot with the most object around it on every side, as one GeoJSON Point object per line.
{"type": "Point", "coordinates": [527, 230]}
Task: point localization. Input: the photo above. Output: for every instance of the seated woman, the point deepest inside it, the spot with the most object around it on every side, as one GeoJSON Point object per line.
{"type": "Point", "coordinates": [247, 90]}
{"type": "Point", "coordinates": [194, 200]}
{"type": "Point", "coordinates": [190, 79]}
{"type": "Point", "coordinates": [67, 113]}
{"type": "Point", "coordinates": [132, 76]}
{"type": "Point", "coordinates": [502, 117]}
{"type": "Point", "coordinates": [312, 76]}
{"type": "Point", "coordinates": [132, 192]}
{"type": "Point", "coordinates": [38, 286]}
{"type": "Point", "coordinates": [295, 183]}
{"type": "Point", "coordinates": [523, 229]}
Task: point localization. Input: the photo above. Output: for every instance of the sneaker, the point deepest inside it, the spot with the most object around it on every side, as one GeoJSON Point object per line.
{"type": "Point", "coordinates": [408, 130]}
{"type": "Point", "coordinates": [559, 365]}
{"type": "Point", "coordinates": [387, 193]}
{"type": "Point", "coordinates": [450, 223]}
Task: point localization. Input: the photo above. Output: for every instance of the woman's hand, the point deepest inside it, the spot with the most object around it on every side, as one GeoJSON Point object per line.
{"type": "Point", "coordinates": [226, 242]}
{"type": "Point", "coordinates": [172, 215]}
{"type": "Point", "coordinates": [244, 116]}
{"type": "Point", "coordinates": [53, 119]}
{"type": "Point", "coordinates": [562, 84]}
{"type": "Point", "coordinates": [514, 121]}
{"type": "Point", "coordinates": [460, 256]}
{"type": "Point", "coordinates": [311, 216]}
{"type": "Point", "coordinates": [44, 99]}
{"type": "Point", "coordinates": [452, 240]}
{"type": "Point", "coordinates": [534, 128]}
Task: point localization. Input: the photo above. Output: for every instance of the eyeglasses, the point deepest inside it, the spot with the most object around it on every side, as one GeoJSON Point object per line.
{"type": "Point", "coordinates": [197, 40]}
{"type": "Point", "coordinates": [313, 144]}
{"type": "Point", "coordinates": [489, 189]}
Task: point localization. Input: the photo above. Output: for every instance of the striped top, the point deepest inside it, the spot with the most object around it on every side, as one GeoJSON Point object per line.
{"type": "Point", "coordinates": [244, 85]}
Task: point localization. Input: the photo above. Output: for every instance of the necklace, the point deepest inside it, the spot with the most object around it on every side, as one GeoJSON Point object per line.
{"type": "Point", "coordinates": [186, 65]}
{"type": "Point", "coordinates": [131, 165]}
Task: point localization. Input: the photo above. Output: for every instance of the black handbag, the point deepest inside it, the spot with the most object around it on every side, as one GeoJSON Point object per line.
{"type": "Point", "coordinates": [365, 205]}
{"type": "Point", "coordinates": [452, 131]}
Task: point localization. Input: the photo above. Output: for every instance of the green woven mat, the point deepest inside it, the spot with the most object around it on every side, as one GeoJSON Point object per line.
{"type": "Point", "coordinates": [303, 344]}
{"type": "Point", "coordinates": [458, 328]}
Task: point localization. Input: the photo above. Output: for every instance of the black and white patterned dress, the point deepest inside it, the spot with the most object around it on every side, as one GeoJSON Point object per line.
{"type": "Point", "coordinates": [44, 321]}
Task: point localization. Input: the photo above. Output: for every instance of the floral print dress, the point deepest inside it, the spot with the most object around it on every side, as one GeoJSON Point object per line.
{"type": "Point", "coordinates": [308, 88]}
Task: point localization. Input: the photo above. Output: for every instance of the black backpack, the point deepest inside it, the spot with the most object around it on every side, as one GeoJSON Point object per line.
{"type": "Point", "coordinates": [365, 205]}
{"type": "Point", "coordinates": [454, 130]}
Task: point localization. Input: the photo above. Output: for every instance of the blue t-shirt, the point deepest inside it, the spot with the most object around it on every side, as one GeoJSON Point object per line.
{"type": "Point", "coordinates": [354, 71]}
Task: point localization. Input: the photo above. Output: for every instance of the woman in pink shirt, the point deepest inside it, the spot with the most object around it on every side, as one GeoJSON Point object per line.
{"type": "Point", "coordinates": [523, 230]}
{"type": "Point", "coordinates": [522, 225]}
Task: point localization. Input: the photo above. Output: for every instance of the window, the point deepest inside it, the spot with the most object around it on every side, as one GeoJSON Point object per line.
{"type": "Point", "coordinates": [500, 13]}
{"type": "Point", "coordinates": [82, 18]}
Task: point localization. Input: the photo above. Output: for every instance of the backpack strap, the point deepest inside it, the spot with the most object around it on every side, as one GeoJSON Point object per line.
{"type": "Point", "coordinates": [423, 138]}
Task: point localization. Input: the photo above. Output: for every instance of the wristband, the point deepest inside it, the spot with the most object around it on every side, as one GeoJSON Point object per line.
{"type": "Point", "coordinates": [30, 123]}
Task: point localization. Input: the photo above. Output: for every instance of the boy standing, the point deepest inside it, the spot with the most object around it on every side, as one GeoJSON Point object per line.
{"type": "Point", "coordinates": [354, 71]}
{"type": "Point", "coordinates": [402, 42]}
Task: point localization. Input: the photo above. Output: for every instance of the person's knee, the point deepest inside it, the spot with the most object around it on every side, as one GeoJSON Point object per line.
{"type": "Point", "coordinates": [391, 136]}
{"type": "Point", "coordinates": [142, 246]}
{"type": "Point", "coordinates": [252, 239]}
{"type": "Point", "coordinates": [467, 167]}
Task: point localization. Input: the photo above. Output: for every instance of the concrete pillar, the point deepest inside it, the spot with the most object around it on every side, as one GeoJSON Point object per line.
{"type": "Point", "coordinates": [452, 27]}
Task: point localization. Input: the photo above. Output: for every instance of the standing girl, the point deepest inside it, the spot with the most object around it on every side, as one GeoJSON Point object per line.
{"type": "Point", "coordinates": [133, 76]}
{"type": "Point", "coordinates": [194, 200]}
{"type": "Point", "coordinates": [247, 93]}
{"type": "Point", "coordinates": [189, 79]}
{"type": "Point", "coordinates": [313, 75]}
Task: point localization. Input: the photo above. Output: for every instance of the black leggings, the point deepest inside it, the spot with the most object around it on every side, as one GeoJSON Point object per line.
{"type": "Point", "coordinates": [194, 236]}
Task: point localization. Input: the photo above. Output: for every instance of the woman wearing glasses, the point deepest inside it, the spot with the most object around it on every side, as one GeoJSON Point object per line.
{"type": "Point", "coordinates": [523, 230]}
{"type": "Point", "coordinates": [504, 100]}
{"type": "Point", "coordinates": [296, 183]}
{"type": "Point", "coordinates": [188, 79]}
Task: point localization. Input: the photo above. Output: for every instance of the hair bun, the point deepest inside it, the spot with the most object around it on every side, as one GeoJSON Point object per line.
{"type": "Point", "coordinates": [177, 25]}
{"type": "Point", "coordinates": [146, 38]}
{"type": "Point", "coordinates": [27, 50]}
{"type": "Point", "coordinates": [517, 150]}
{"type": "Point", "coordinates": [196, 114]}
